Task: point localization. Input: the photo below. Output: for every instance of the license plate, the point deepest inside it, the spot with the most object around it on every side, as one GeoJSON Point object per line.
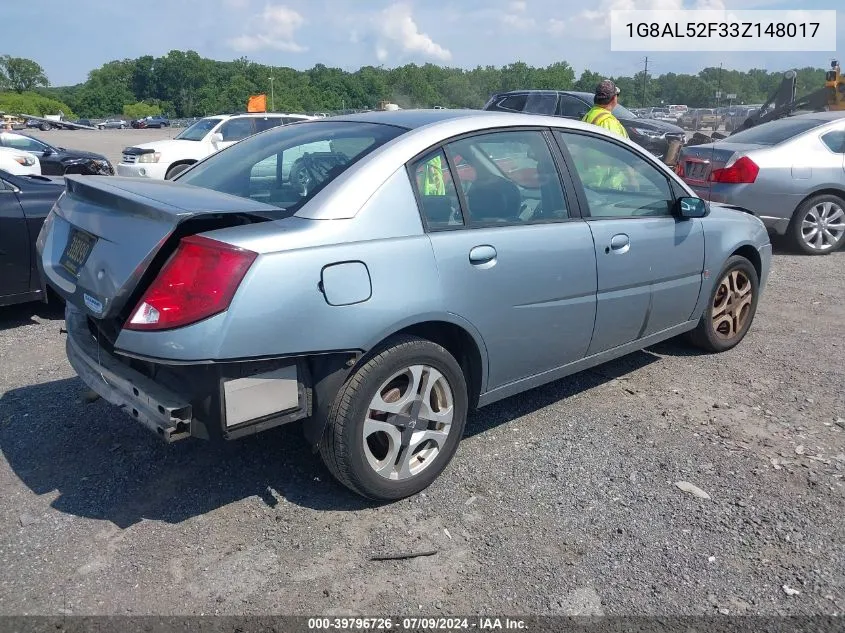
{"type": "Point", "coordinates": [79, 247]}
{"type": "Point", "coordinates": [696, 170]}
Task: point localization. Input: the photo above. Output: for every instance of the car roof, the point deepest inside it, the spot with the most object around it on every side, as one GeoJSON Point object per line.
{"type": "Point", "coordinates": [411, 119]}
{"type": "Point", "coordinates": [827, 115]}
{"type": "Point", "coordinates": [544, 91]}
{"type": "Point", "coordinates": [230, 115]}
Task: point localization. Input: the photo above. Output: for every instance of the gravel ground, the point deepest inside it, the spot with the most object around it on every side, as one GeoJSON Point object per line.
{"type": "Point", "coordinates": [559, 501]}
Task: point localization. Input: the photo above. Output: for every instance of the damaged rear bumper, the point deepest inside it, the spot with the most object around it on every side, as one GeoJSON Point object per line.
{"type": "Point", "coordinates": [225, 400]}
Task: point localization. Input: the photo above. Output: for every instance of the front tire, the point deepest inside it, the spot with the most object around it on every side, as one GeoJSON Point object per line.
{"type": "Point", "coordinates": [818, 225]}
{"type": "Point", "coordinates": [731, 308]}
{"type": "Point", "coordinates": [396, 423]}
{"type": "Point", "coordinates": [175, 171]}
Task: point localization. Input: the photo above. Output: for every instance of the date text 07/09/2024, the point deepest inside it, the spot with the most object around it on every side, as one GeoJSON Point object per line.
{"type": "Point", "coordinates": [416, 624]}
{"type": "Point", "coordinates": [723, 29]}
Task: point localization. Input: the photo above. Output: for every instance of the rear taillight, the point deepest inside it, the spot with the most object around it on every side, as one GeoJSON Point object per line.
{"type": "Point", "coordinates": [743, 171]}
{"type": "Point", "coordinates": [198, 281]}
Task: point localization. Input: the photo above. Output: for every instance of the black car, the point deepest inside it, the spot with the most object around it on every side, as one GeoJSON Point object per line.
{"type": "Point", "coordinates": [651, 134]}
{"type": "Point", "coordinates": [25, 202]}
{"type": "Point", "coordinates": [58, 161]}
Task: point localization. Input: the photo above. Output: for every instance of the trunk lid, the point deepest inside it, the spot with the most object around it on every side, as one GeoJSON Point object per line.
{"type": "Point", "coordinates": [697, 162]}
{"type": "Point", "coordinates": [108, 236]}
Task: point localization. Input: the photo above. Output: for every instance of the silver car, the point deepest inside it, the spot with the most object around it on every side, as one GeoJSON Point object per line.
{"type": "Point", "coordinates": [376, 276]}
{"type": "Point", "coordinates": [789, 172]}
{"type": "Point", "coordinates": [110, 124]}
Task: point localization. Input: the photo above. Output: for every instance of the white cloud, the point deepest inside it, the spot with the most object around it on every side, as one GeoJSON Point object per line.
{"type": "Point", "coordinates": [515, 17]}
{"type": "Point", "coordinates": [275, 28]}
{"type": "Point", "coordinates": [396, 28]}
{"type": "Point", "coordinates": [594, 23]}
{"type": "Point", "coordinates": [555, 26]}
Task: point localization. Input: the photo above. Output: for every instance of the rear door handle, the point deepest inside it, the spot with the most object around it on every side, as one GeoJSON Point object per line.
{"type": "Point", "coordinates": [619, 243]}
{"type": "Point", "coordinates": [480, 255]}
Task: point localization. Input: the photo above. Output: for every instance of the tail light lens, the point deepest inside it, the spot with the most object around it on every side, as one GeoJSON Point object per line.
{"type": "Point", "coordinates": [743, 171]}
{"type": "Point", "coordinates": [198, 281]}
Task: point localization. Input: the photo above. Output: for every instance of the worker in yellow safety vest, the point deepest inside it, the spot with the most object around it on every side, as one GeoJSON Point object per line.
{"type": "Point", "coordinates": [433, 184]}
{"type": "Point", "coordinates": [605, 99]}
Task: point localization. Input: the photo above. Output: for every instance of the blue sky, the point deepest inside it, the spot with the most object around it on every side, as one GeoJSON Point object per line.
{"type": "Point", "coordinates": [70, 40]}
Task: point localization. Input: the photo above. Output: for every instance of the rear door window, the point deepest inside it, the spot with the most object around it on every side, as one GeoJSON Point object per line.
{"type": "Point", "coordinates": [541, 104]}
{"type": "Point", "coordinates": [237, 129]}
{"type": "Point", "coordinates": [265, 123]}
{"type": "Point", "coordinates": [436, 192]}
{"type": "Point", "coordinates": [513, 179]}
{"type": "Point", "coordinates": [572, 107]}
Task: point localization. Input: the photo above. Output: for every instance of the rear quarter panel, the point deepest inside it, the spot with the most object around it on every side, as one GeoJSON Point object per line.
{"type": "Point", "coordinates": [280, 308]}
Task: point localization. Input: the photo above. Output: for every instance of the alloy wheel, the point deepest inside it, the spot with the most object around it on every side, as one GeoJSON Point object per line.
{"type": "Point", "coordinates": [823, 226]}
{"type": "Point", "coordinates": [408, 422]}
{"type": "Point", "coordinates": [732, 305]}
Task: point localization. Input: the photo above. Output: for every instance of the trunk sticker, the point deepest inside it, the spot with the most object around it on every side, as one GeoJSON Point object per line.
{"type": "Point", "coordinates": [93, 305]}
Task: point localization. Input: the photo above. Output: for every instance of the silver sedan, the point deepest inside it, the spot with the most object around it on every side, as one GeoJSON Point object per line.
{"type": "Point", "coordinates": [376, 276]}
{"type": "Point", "coordinates": [789, 172]}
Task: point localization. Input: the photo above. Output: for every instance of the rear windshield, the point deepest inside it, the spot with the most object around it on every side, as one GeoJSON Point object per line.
{"type": "Point", "coordinates": [775, 132]}
{"type": "Point", "coordinates": [286, 166]}
{"type": "Point", "coordinates": [198, 130]}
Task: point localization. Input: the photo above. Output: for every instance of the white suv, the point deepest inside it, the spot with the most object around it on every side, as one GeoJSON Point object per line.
{"type": "Point", "coordinates": [164, 159]}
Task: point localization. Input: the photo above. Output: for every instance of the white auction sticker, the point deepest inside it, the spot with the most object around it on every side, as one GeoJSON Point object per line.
{"type": "Point", "coordinates": [717, 30]}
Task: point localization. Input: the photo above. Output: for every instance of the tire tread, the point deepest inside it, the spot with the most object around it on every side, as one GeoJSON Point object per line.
{"type": "Point", "coordinates": [334, 450]}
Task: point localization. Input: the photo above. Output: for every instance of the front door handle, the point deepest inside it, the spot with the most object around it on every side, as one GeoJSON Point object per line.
{"type": "Point", "coordinates": [481, 255]}
{"type": "Point", "coordinates": [619, 243]}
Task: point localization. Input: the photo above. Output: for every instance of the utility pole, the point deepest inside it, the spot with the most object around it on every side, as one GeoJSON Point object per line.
{"type": "Point", "coordinates": [719, 87]}
{"type": "Point", "coordinates": [272, 100]}
{"type": "Point", "coordinates": [645, 79]}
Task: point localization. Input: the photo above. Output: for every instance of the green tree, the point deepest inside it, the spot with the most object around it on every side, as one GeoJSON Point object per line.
{"type": "Point", "coordinates": [140, 110]}
{"type": "Point", "coordinates": [588, 81]}
{"type": "Point", "coordinates": [33, 104]}
{"type": "Point", "coordinates": [183, 84]}
{"type": "Point", "coordinates": [21, 74]}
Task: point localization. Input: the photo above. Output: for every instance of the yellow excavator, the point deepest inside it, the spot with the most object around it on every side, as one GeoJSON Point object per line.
{"type": "Point", "coordinates": [835, 86]}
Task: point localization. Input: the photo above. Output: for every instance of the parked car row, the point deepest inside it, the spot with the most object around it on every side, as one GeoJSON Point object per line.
{"type": "Point", "coordinates": [58, 161]}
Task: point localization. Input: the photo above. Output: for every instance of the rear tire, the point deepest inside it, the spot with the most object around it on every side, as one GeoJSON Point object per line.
{"type": "Point", "coordinates": [824, 216]}
{"type": "Point", "coordinates": [45, 127]}
{"type": "Point", "coordinates": [730, 309]}
{"type": "Point", "coordinates": [396, 422]}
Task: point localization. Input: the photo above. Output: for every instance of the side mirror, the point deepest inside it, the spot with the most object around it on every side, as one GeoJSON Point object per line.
{"type": "Point", "coordinates": [216, 138]}
{"type": "Point", "coordinates": [47, 151]}
{"type": "Point", "coordinates": [689, 207]}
